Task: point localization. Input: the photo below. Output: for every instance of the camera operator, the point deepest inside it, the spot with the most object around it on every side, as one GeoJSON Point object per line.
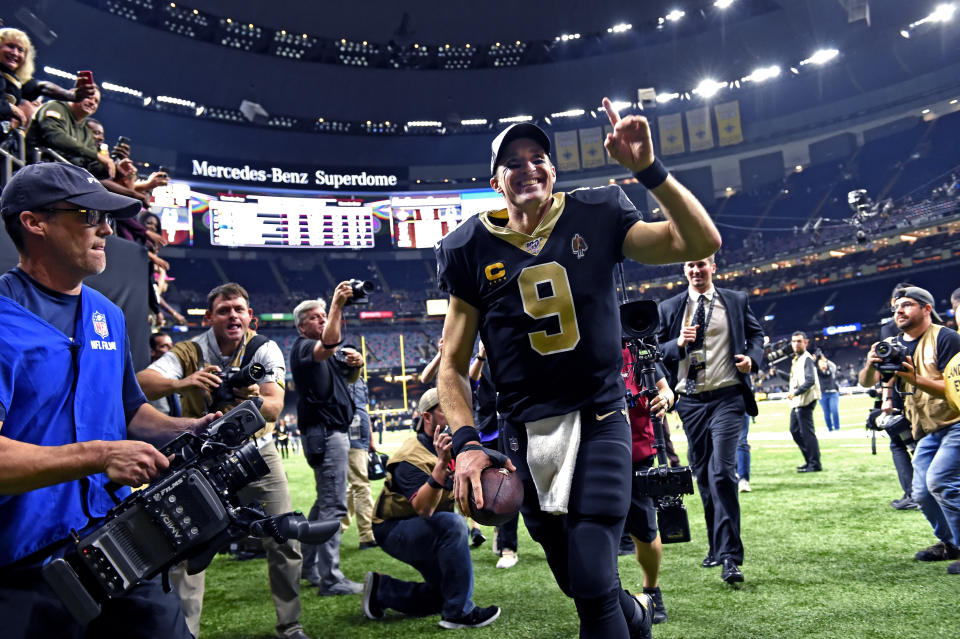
{"type": "Point", "coordinates": [936, 425]}
{"type": "Point", "coordinates": [415, 522]}
{"type": "Point", "coordinates": [324, 411]}
{"type": "Point", "coordinates": [641, 521]}
{"type": "Point", "coordinates": [829, 391]}
{"type": "Point", "coordinates": [202, 371]}
{"type": "Point", "coordinates": [902, 443]}
{"type": "Point", "coordinates": [70, 407]}
{"type": "Point", "coordinates": [803, 395]}
{"type": "Point", "coordinates": [711, 342]}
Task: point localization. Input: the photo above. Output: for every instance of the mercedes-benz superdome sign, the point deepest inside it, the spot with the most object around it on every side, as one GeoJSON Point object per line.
{"type": "Point", "coordinates": [294, 176]}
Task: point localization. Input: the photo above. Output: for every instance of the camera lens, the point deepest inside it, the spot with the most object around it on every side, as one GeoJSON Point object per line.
{"type": "Point", "coordinates": [883, 349]}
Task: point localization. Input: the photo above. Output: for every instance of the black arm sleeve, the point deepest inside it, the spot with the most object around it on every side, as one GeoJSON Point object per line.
{"type": "Point", "coordinates": [948, 345]}
{"type": "Point", "coordinates": [809, 375]}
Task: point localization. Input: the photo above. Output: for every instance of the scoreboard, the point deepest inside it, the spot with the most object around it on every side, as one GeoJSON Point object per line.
{"type": "Point", "coordinates": [303, 222]}
{"type": "Point", "coordinates": [420, 221]}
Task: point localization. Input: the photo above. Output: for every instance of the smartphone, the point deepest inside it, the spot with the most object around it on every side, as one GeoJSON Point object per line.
{"type": "Point", "coordinates": [163, 169]}
{"type": "Point", "coordinates": [123, 140]}
{"type": "Point", "coordinates": [85, 77]}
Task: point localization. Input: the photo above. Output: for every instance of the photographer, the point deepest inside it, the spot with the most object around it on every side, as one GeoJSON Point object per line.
{"type": "Point", "coordinates": [803, 395]}
{"type": "Point", "coordinates": [829, 391]}
{"type": "Point", "coordinates": [325, 410]}
{"type": "Point", "coordinates": [70, 407]}
{"type": "Point", "coordinates": [926, 350]}
{"type": "Point", "coordinates": [414, 522]}
{"type": "Point", "coordinates": [202, 371]}
{"type": "Point", "coordinates": [902, 443]}
{"type": "Point", "coordinates": [641, 521]}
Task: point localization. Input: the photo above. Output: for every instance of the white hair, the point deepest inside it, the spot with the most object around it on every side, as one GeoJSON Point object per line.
{"type": "Point", "coordinates": [304, 307]}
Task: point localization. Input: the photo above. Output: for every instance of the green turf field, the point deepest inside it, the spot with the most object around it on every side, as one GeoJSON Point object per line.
{"type": "Point", "coordinates": [826, 557]}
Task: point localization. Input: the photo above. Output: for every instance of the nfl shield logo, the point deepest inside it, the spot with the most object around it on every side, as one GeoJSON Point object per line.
{"type": "Point", "coordinates": [100, 325]}
{"type": "Point", "coordinates": [533, 246]}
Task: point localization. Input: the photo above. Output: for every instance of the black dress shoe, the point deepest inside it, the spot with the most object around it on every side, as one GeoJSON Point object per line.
{"type": "Point", "coordinates": [709, 561]}
{"type": "Point", "coordinates": [810, 468]}
{"type": "Point", "coordinates": [802, 468]}
{"type": "Point", "coordinates": [731, 573]}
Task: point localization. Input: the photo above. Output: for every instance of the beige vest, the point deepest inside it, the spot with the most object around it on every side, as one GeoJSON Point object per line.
{"type": "Point", "coordinates": [194, 400]}
{"type": "Point", "coordinates": [393, 505]}
{"type": "Point", "coordinates": [797, 378]}
{"type": "Point", "coordinates": [926, 412]}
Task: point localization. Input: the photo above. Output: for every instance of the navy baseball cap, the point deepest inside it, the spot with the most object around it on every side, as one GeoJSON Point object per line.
{"type": "Point", "coordinates": [39, 185]}
{"type": "Point", "coordinates": [513, 132]}
{"type": "Point", "coordinates": [922, 296]}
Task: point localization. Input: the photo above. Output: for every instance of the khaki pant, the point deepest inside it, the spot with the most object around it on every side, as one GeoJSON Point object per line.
{"type": "Point", "coordinates": [283, 560]}
{"type": "Point", "coordinates": [359, 499]}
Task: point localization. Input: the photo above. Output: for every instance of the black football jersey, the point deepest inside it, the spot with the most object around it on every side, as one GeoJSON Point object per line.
{"type": "Point", "coordinates": [549, 315]}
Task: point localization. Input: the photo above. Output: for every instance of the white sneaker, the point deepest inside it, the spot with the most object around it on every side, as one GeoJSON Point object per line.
{"type": "Point", "coordinates": [744, 486]}
{"type": "Point", "coordinates": [509, 559]}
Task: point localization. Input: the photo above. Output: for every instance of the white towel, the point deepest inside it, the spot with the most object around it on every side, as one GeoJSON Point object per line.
{"type": "Point", "coordinates": [552, 446]}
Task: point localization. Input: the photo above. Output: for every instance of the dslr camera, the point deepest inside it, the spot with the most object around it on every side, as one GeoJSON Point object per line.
{"type": "Point", "coordinates": [639, 321]}
{"type": "Point", "coordinates": [235, 377]}
{"type": "Point", "coordinates": [778, 351]}
{"type": "Point", "coordinates": [360, 288]}
{"type": "Point", "coordinates": [188, 513]}
{"type": "Point", "coordinates": [892, 356]}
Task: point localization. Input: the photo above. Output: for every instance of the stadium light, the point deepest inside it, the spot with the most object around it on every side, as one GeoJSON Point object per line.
{"type": "Point", "coordinates": [620, 28]}
{"type": "Point", "coordinates": [722, 4]}
{"type": "Point", "coordinates": [473, 122]}
{"type": "Point", "coordinates": [572, 113]}
{"type": "Point", "coordinates": [178, 101]}
{"type": "Point", "coordinates": [821, 56]}
{"type": "Point", "coordinates": [762, 74]}
{"type": "Point", "coordinates": [516, 118]}
{"type": "Point", "coordinates": [674, 15]}
{"type": "Point", "coordinates": [424, 123]}
{"type": "Point", "coordinates": [942, 13]}
{"type": "Point", "coordinates": [663, 98]}
{"type": "Point", "coordinates": [709, 88]}
{"type": "Point", "coordinates": [57, 73]}
{"type": "Point", "coordinates": [110, 86]}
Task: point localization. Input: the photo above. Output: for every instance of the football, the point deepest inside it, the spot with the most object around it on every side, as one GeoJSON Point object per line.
{"type": "Point", "coordinates": [502, 496]}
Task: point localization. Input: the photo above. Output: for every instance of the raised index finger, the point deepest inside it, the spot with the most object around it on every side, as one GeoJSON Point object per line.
{"type": "Point", "coordinates": [611, 112]}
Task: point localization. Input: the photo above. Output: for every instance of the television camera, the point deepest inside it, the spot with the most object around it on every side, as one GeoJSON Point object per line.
{"type": "Point", "coordinates": [188, 512]}
{"type": "Point", "coordinates": [776, 352]}
{"type": "Point", "coordinates": [639, 321]}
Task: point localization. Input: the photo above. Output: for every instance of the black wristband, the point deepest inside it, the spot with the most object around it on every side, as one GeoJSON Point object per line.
{"type": "Point", "coordinates": [463, 436]}
{"type": "Point", "coordinates": [652, 176]}
{"type": "Point", "coordinates": [329, 346]}
{"type": "Point", "coordinates": [433, 483]}
{"type": "Point", "coordinates": [472, 446]}
{"type": "Point", "coordinates": [480, 359]}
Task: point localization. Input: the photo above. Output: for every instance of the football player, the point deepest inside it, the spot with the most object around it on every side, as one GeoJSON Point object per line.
{"type": "Point", "coordinates": [537, 281]}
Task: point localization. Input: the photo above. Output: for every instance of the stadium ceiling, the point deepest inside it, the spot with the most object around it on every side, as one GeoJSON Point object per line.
{"type": "Point", "coordinates": [430, 34]}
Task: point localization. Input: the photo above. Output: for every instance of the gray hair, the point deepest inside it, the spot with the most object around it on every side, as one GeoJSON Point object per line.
{"type": "Point", "coordinates": [304, 307]}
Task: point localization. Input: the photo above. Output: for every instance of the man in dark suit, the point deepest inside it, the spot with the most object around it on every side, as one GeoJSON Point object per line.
{"type": "Point", "coordinates": [711, 342]}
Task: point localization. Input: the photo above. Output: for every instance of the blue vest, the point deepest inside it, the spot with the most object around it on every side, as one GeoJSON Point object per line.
{"type": "Point", "coordinates": [59, 392]}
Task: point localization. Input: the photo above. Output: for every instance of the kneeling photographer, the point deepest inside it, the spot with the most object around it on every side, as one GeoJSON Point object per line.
{"type": "Point", "coordinates": [325, 409]}
{"type": "Point", "coordinates": [917, 359]}
{"type": "Point", "coordinates": [215, 371]}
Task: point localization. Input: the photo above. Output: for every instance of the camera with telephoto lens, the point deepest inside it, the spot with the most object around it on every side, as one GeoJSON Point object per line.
{"type": "Point", "coordinates": [639, 321]}
{"type": "Point", "coordinates": [892, 357]}
{"type": "Point", "coordinates": [777, 351]}
{"type": "Point", "coordinates": [360, 288]}
{"type": "Point", "coordinates": [189, 512]}
{"type": "Point", "coordinates": [235, 377]}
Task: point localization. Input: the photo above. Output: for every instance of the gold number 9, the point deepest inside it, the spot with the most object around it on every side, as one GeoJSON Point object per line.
{"type": "Point", "coordinates": [558, 304]}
